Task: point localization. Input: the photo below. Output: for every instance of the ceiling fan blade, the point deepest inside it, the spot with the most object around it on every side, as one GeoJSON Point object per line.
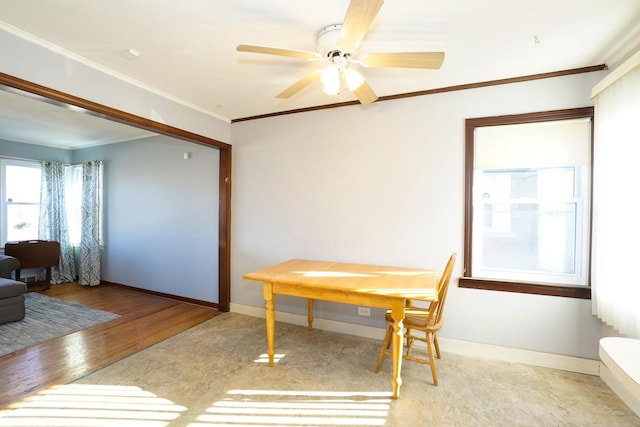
{"type": "Point", "coordinates": [299, 85]}
{"type": "Point", "coordinates": [365, 94]}
{"type": "Point", "coordinates": [302, 54]}
{"type": "Point", "coordinates": [357, 21]}
{"type": "Point", "coordinates": [432, 60]}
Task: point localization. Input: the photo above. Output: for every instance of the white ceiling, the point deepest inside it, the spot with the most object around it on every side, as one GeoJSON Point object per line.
{"type": "Point", "coordinates": [32, 121]}
{"type": "Point", "coordinates": [187, 47]}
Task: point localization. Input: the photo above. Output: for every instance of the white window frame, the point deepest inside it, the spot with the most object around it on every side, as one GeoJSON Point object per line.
{"type": "Point", "coordinates": [577, 277]}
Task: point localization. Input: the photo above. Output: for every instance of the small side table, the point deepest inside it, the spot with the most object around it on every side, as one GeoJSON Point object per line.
{"type": "Point", "coordinates": [35, 254]}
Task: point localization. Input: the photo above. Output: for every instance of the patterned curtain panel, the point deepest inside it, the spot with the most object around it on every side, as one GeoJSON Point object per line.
{"type": "Point", "coordinates": [91, 223]}
{"type": "Point", "coordinates": [53, 220]}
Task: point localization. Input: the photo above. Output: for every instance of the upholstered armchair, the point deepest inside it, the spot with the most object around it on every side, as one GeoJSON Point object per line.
{"type": "Point", "coordinates": [12, 292]}
{"type": "Point", "coordinates": [8, 265]}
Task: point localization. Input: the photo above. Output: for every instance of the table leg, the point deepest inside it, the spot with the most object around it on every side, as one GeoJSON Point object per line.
{"type": "Point", "coordinates": [271, 320]}
{"type": "Point", "coordinates": [397, 313]}
{"type": "Point", "coordinates": [47, 279]}
{"type": "Point", "coordinates": [310, 313]}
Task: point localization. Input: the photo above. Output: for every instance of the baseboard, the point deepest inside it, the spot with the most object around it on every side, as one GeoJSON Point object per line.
{"type": "Point", "coordinates": [448, 345]}
{"type": "Point", "coordinates": [516, 355]}
{"type": "Point", "coordinates": [162, 294]}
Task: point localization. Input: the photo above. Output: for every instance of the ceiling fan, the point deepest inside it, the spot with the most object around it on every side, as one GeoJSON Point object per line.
{"type": "Point", "coordinates": [335, 45]}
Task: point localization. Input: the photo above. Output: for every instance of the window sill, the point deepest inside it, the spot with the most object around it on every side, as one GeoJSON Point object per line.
{"type": "Point", "coordinates": [582, 292]}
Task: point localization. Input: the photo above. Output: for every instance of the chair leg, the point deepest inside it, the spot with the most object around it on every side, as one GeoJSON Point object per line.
{"type": "Point", "coordinates": [437, 345]}
{"type": "Point", "coordinates": [408, 341]}
{"type": "Point", "coordinates": [385, 347]}
{"type": "Point", "coordinates": [432, 360]}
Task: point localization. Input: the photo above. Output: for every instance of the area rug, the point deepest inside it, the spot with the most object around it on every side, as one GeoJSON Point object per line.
{"type": "Point", "coordinates": [48, 318]}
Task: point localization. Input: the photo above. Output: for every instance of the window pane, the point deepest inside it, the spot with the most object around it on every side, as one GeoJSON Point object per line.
{"type": "Point", "coordinates": [530, 223]}
{"type": "Point", "coordinates": [73, 193]}
{"type": "Point", "coordinates": [22, 184]}
{"type": "Point", "coordinates": [540, 238]}
{"type": "Point", "coordinates": [19, 200]}
{"type": "Point", "coordinates": [22, 221]}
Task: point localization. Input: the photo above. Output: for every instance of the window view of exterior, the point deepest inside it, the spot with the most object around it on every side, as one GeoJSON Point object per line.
{"type": "Point", "coordinates": [73, 193]}
{"type": "Point", "coordinates": [530, 224]}
{"type": "Point", "coordinates": [21, 201]}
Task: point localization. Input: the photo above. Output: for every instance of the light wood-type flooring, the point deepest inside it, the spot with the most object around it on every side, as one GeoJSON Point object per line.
{"type": "Point", "coordinates": [214, 374]}
{"type": "Point", "coordinates": [144, 320]}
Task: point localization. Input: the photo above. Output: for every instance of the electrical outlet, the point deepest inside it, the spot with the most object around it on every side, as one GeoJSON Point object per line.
{"type": "Point", "coordinates": [364, 311]}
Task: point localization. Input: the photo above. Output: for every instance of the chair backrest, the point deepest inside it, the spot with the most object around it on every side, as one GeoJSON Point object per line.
{"type": "Point", "coordinates": [437, 307]}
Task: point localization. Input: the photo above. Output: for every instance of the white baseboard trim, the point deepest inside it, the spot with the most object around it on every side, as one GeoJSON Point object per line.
{"type": "Point", "coordinates": [448, 345]}
{"type": "Point", "coordinates": [318, 323]}
{"type": "Point", "coordinates": [516, 355]}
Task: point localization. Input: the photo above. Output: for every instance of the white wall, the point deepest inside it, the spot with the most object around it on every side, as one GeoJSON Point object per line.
{"type": "Point", "coordinates": [161, 215]}
{"type": "Point", "coordinates": [383, 184]}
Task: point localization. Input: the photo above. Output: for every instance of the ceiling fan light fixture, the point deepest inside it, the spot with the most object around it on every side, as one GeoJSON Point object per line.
{"type": "Point", "coordinates": [353, 78]}
{"type": "Point", "coordinates": [330, 78]}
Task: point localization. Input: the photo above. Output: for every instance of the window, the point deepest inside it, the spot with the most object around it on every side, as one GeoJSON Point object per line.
{"type": "Point", "coordinates": [73, 193]}
{"type": "Point", "coordinates": [20, 204]}
{"type": "Point", "coordinates": [528, 203]}
{"type": "Point", "coordinates": [73, 175]}
{"type": "Point", "coordinates": [20, 200]}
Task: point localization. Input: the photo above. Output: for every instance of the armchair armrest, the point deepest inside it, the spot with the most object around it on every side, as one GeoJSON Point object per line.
{"type": "Point", "coordinates": [7, 265]}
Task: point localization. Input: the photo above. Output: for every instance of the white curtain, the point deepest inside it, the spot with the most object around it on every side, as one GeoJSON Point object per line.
{"type": "Point", "coordinates": [53, 220]}
{"type": "Point", "coordinates": [91, 219]}
{"type": "Point", "coordinates": [616, 205]}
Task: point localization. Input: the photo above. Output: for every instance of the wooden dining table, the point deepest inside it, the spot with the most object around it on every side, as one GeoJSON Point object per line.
{"type": "Point", "coordinates": [360, 284]}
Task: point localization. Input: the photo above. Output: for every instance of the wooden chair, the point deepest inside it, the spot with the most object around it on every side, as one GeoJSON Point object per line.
{"type": "Point", "coordinates": [424, 320]}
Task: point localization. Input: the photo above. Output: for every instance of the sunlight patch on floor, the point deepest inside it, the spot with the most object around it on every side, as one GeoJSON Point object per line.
{"type": "Point", "coordinates": [264, 358]}
{"type": "Point", "coordinates": [77, 405]}
{"type": "Point", "coordinates": [94, 405]}
{"type": "Point", "coordinates": [297, 408]}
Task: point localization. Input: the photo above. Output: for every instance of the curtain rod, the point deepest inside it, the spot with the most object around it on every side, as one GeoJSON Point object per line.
{"type": "Point", "coordinates": [615, 75]}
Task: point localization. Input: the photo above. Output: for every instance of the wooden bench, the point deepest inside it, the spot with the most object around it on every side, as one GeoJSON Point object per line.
{"type": "Point", "coordinates": [35, 254]}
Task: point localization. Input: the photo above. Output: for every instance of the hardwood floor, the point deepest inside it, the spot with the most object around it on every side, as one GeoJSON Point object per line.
{"type": "Point", "coordinates": [144, 320]}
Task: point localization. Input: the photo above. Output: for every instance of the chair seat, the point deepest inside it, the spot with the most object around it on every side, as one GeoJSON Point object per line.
{"type": "Point", "coordinates": [412, 317]}
{"type": "Point", "coordinates": [12, 306]}
{"type": "Point", "coordinates": [11, 288]}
